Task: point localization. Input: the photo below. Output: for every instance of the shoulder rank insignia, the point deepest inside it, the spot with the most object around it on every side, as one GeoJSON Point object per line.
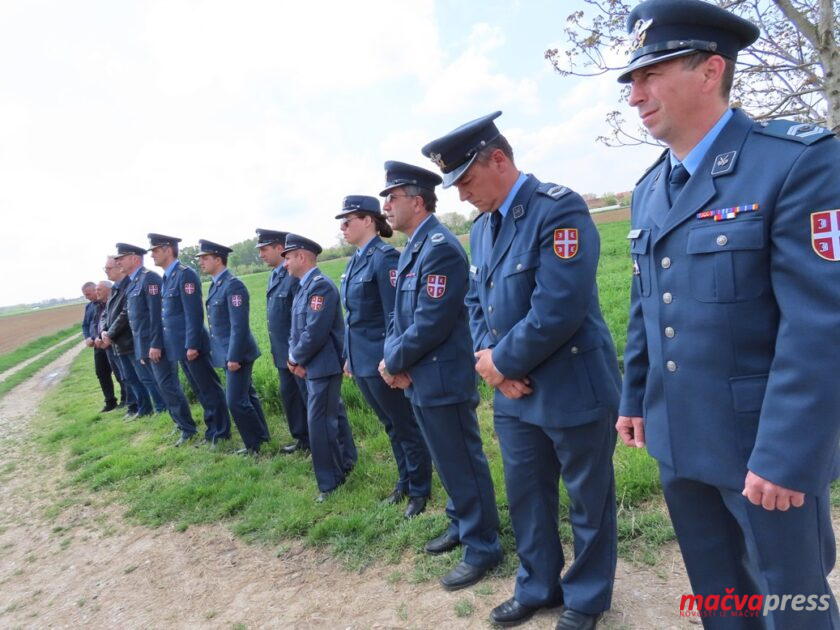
{"type": "Point", "coordinates": [437, 237]}
{"type": "Point", "coordinates": [806, 133]}
{"type": "Point", "coordinates": [566, 242]}
{"type": "Point", "coordinates": [435, 285]}
{"type": "Point", "coordinates": [825, 234]}
{"type": "Point", "coordinates": [316, 302]}
{"type": "Point", "coordinates": [154, 289]}
{"type": "Point", "coordinates": [236, 300]}
{"type": "Point", "coordinates": [555, 192]}
{"type": "Point", "coordinates": [189, 288]}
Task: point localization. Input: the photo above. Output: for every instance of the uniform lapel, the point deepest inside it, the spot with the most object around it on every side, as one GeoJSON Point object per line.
{"type": "Point", "coordinates": [701, 186]}
{"type": "Point", "coordinates": [411, 250]}
{"type": "Point", "coordinates": [508, 230]}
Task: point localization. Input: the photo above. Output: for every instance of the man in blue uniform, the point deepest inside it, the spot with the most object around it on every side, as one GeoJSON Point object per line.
{"type": "Point", "coordinates": [232, 345]}
{"type": "Point", "coordinates": [367, 294]}
{"type": "Point", "coordinates": [316, 345]}
{"type": "Point", "coordinates": [428, 354]}
{"type": "Point", "coordinates": [731, 361]}
{"type": "Point", "coordinates": [280, 293]}
{"type": "Point", "coordinates": [93, 310]}
{"type": "Point", "coordinates": [185, 338]}
{"type": "Point", "coordinates": [542, 343]}
{"type": "Point", "coordinates": [143, 303]}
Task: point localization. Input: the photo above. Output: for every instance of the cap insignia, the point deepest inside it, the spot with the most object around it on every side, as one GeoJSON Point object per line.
{"type": "Point", "coordinates": [639, 34]}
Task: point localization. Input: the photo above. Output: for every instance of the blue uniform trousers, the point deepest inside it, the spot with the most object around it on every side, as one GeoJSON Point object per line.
{"type": "Point", "coordinates": [729, 543]}
{"type": "Point", "coordinates": [414, 464]}
{"type": "Point", "coordinates": [208, 389]}
{"type": "Point", "coordinates": [349, 454]}
{"type": "Point", "coordinates": [245, 407]}
{"type": "Point", "coordinates": [535, 458]}
{"type": "Point", "coordinates": [451, 432]}
{"type": "Point", "coordinates": [147, 377]}
{"type": "Point", "coordinates": [166, 376]}
{"type": "Point", "coordinates": [140, 402]}
{"type": "Point", "coordinates": [328, 460]}
{"type": "Point", "coordinates": [294, 406]}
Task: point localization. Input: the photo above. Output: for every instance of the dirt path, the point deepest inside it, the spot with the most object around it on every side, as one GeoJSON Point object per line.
{"type": "Point", "coordinates": [23, 364]}
{"type": "Point", "coordinates": [70, 561]}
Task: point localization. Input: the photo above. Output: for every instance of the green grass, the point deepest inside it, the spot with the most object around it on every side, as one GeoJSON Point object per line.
{"type": "Point", "coordinates": [269, 500]}
{"type": "Point", "coordinates": [21, 375]}
{"type": "Point", "coordinates": [18, 355]}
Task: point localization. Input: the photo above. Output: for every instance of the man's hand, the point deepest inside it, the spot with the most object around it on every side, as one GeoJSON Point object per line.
{"type": "Point", "coordinates": [514, 388]}
{"type": "Point", "coordinates": [97, 343]}
{"type": "Point", "coordinates": [385, 374]}
{"type": "Point", "coordinates": [631, 430]}
{"type": "Point", "coordinates": [297, 369]}
{"type": "Point", "coordinates": [89, 342]}
{"type": "Point", "coordinates": [347, 371]}
{"type": "Point", "coordinates": [401, 381]}
{"type": "Point", "coordinates": [234, 366]}
{"type": "Point", "coordinates": [155, 354]}
{"type": "Point", "coordinates": [192, 354]}
{"type": "Point", "coordinates": [487, 369]}
{"type": "Point", "coordinates": [770, 496]}
{"type": "Point", "coordinates": [105, 341]}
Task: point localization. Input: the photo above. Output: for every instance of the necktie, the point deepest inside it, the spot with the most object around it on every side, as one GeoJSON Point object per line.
{"type": "Point", "coordinates": [495, 224]}
{"type": "Point", "coordinates": [676, 180]}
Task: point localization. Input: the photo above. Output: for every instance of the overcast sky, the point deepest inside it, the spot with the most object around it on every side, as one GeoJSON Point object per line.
{"type": "Point", "coordinates": [208, 119]}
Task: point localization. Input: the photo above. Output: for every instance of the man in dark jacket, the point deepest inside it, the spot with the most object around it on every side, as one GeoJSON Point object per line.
{"type": "Point", "coordinates": [100, 359]}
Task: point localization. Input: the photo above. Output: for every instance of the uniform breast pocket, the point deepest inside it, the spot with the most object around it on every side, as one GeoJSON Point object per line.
{"type": "Point", "coordinates": [407, 295]}
{"type": "Point", "coordinates": [639, 246]}
{"type": "Point", "coordinates": [364, 287]}
{"type": "Point", "coordinates": [729, 261]}
{"type": "Point", "coordinates": [519, 272]}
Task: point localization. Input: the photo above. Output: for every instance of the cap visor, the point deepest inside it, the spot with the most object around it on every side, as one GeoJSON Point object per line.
{"type": "Point", "coordinates": [649, 60]}
{"type": "Point", "coordinates": [450, 178]}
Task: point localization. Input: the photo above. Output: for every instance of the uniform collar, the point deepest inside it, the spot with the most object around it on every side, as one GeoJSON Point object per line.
{"type": "Point", "coordinates": [695, 156]}
{"type": "Point", "coordinates": [419, 227]}
{"type": "Point", "coordinates": [307, 274]}
{"type": "Point", "coordinates": [219, 275]}
{"type": "Point", "coordinates": [508, 202]}
{"type": "Point", "coordinates": [168, 271]}
{"type": "Point", "coordinates": [363, 249]}
{"type": "Point", "coordinates": [134, 273]}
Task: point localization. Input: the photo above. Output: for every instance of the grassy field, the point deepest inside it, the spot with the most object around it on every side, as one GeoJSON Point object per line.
{"type": "Point", "coordinates": [270, 500]}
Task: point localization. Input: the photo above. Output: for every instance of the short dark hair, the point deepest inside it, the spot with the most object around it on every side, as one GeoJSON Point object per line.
{"type": "Point", "coordinates": [728, 77]}
{"type": "Point", "coordinates": [222, 257]}
{"type": "Point", "coordinates": [428, 196]}
{"type": "Point", "coordinates": [499, 142]}
{"type": "Point", "coordinates": [174, 247]}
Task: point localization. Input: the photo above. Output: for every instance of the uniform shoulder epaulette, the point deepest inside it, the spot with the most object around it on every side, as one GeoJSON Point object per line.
{"type": "Point", "coordinates": [182, 266]}
{"type": "Point", "coordinates": [653, 166]}
{"type": "Point", "coordinates": [553, 190]}
{"type": "Point", "coordinates": [437, 238]}
{"type": "Point", "coordinates": [316, 278]}
{"type": "Point", "coordinates": [385, 247]}
{"type": "Point", "coordinates": [806, 133]}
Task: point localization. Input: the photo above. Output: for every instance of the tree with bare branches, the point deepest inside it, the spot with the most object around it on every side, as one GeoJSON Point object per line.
{"type": "Point", "coordinates": [792, 71]}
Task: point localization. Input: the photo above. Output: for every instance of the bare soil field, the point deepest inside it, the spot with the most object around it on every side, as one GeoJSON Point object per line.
{"type": "Point", "coordinates": [611, 216]}
{"type": "Point", "coordinates": [68, 559]}
{"type": "Point", "coordinates": [18, 330]}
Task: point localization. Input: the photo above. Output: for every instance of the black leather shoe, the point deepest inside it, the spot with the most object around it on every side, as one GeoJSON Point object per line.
{"type": "Point", "coordinates": [294, 448]}
{"type": "Point", "coordinates": [574, 620]}
{"type": "Point", "coordinates": [185, 437]}
{"type": "Point", "coordinates": [397, 496]}
{"type": "Point", "coordinates": [462, 576]}
{"type": "Point", "coordinates": [108, 407]}
{"type": "Point", "coordinates": [511, 613]}
{"type": "Point", "coordinates": [416, 505]}
{"type": "Point", "coordinates": [442, 544]}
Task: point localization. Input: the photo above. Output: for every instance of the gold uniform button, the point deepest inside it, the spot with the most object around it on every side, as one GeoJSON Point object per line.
{"type": "Point", "coordinates": [667, 298]}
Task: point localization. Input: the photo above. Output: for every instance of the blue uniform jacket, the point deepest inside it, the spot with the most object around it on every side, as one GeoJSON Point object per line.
{"type": "Point", "coordinates": [732, 355]}
{"type": "Point", "coordinates": [428, 333]}
{"type": "Point", "coordinates": [367, 293]}
{"type": "Point", "coordinates": [281, 291]}
{"type": "Point", "coordinates": [317, 339]}
{"type": "Point", "coordinates": [534, 301]}
{"type": "Point", "coordinates": [183, 314]}
{"type": "Point", "coordinates": [142, 303]}
{"type": "Point", "coordinates": [227, 313]}
{"type": "Point", "coordinates": [88, 327]}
